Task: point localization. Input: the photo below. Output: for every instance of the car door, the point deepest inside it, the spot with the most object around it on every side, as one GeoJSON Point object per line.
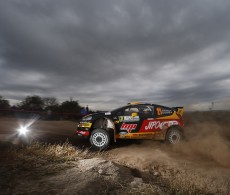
{"type": "Point", "coordinates": [129, 120]}
{"type": "Point", "coordinates": [150, 123]}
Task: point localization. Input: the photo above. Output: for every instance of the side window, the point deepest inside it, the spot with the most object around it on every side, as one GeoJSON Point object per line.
{"type": "Point", "coordinates": [146, 111]}
{"type": "Point", "coordinates": [130, 110]}
{"type": "Point", "coordinates": [129, 114]}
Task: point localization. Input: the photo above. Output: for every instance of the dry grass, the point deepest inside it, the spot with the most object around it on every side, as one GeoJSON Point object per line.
{"type": "Point", "coordinates": [193, 183]}
{"type": "Point", "coordinates": [36, 161]}
{"type": "Point", "coordinates": [47, 152]}
{"type": "Point", "coordinates": [39, 160]}
{"type": "Point", "coordinates": [179, 180]}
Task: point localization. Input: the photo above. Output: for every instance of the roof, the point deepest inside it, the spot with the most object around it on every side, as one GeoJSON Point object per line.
{"type": "Point", "coordinates": [136, 103]}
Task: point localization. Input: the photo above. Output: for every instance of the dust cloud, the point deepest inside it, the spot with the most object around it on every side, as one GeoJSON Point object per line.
{"type": "Point", "coordinates": [207, 137]}
{"type": "Point", "coordinates": [141, 154]}
{"type": "Point", "coordinates": [207, 141]}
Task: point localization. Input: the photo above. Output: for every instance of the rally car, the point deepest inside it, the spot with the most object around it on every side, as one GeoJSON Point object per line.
{"type": "Point", "coordinates": [133, 121]}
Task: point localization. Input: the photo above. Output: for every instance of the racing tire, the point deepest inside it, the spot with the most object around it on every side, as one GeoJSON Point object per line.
{"type": "Point", "coordinates": [99, 139]}
{"type": "Point", "coordinates": [174, 136]}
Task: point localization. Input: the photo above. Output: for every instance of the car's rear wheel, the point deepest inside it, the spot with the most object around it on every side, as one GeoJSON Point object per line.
{"type": "Point", "coordinates": [174, 135]}
{"type": "Point", "coordinates": [99, 139]}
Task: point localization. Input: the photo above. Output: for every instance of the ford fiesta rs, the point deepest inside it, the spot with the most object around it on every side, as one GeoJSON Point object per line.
{"type": "Point", "coordinates": [133, 121]}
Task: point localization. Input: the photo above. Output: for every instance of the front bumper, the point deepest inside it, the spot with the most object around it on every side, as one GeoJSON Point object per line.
{"type": "Point", "coordinates": [83, 129]}
{"type": "Point", "coordinates": [82, 133]}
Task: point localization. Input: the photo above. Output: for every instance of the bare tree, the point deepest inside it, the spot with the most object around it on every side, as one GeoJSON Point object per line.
{"type": "Point", "coordinates": [4, 104]}
{"type": "Point", "coordinates": [50, 102]}
{"type": "Point", "coordinates": [32, 103]}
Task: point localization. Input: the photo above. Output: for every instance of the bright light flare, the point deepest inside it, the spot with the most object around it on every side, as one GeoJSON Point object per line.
{"type": "Point", "coordinates": [23, 130]}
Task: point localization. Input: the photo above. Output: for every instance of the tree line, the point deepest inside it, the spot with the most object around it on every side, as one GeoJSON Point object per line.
{"type": "Point", "coordinates": [49, 105]}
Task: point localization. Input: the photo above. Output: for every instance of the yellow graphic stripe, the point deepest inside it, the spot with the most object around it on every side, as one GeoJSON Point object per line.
{"type": "Point", "coordinates": [149, 135]}
{"type": "Point", "coordinates": [180, 111]}
{"type": "Point", "coordinates": [173, 116]}
{"type": "Point", "coordinates": [87, 125]}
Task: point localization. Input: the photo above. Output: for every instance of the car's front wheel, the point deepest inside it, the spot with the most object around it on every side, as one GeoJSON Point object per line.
{"type": "Point", "coordinates": [99, 139]}
{"type": "Point", "coordinates": [174, 135]}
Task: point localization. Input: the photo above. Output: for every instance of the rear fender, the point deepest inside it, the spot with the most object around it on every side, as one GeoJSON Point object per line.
{"type": "Point", "coordinates": [175, 126]}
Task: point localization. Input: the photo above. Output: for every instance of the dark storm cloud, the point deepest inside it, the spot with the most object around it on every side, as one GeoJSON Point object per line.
{"type": "Point", "coordinates": [171, 52]}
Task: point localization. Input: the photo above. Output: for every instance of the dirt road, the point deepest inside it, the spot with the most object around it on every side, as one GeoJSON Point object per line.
{"type": "Point", "coordinates": [201, 161]}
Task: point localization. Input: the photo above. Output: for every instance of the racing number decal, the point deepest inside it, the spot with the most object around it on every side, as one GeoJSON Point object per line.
{"type": "Point", "coordinates": [159, 111]}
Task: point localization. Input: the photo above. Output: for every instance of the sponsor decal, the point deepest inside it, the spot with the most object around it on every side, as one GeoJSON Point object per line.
{"type": "Point", "coordinates": [121, 118]}
{"type": "Point", "coordinates": [166, 111]}
{"type": "Point", "coordinates": [128, 127]}
{"type": "Point", "coordinates": [128, 118]}
{"type": "Point", "coordinates": [159, 124]}
{"type": "Point", "coordinates": [123, 133]}
{"type": "Point", "coordinates": [163, 111]}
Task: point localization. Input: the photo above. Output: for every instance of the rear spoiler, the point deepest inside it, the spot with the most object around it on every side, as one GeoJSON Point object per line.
{"type": "Point", "coordinates": [179, 110]}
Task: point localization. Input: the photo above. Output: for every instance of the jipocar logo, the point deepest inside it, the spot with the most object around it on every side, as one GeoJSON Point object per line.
{"type": "Point", "coordinates": [160, 124]}
{"type": "Point", "coordinates": [128, 127]}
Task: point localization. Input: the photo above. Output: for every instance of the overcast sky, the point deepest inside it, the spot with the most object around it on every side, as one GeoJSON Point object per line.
{"type": "Point", "coordinates": [106, 53]}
